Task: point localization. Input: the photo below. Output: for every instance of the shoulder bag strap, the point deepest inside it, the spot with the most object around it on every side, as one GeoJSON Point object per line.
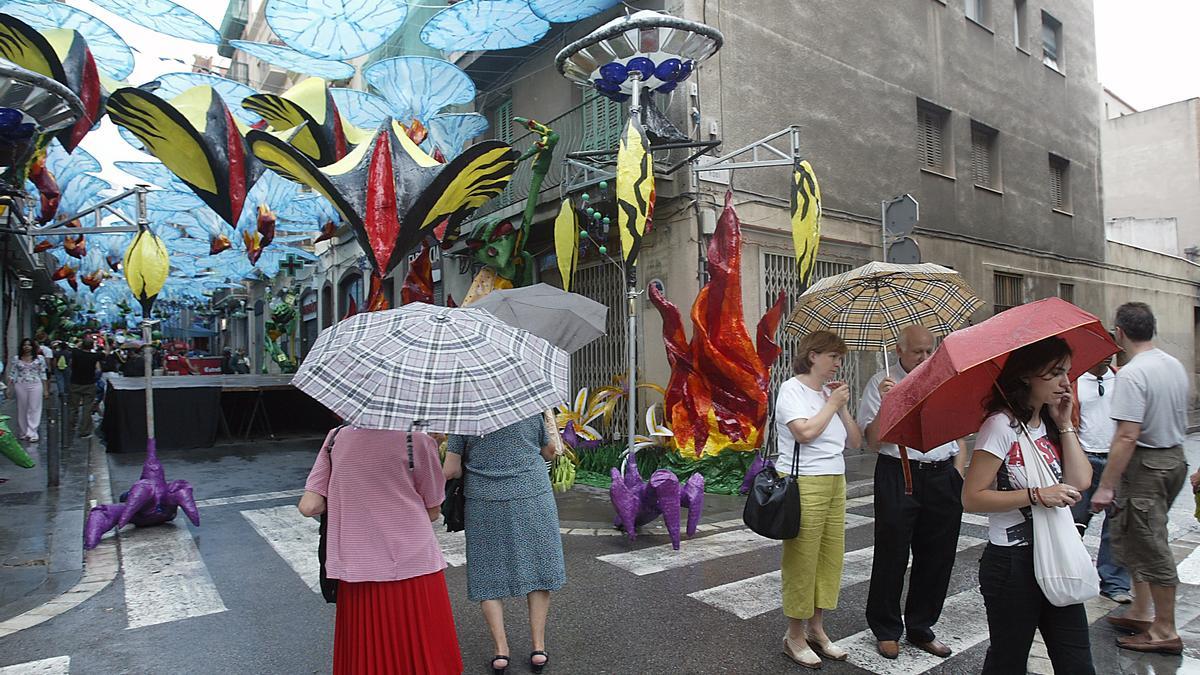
{"type": "Point", "coordinates": [795, 459]}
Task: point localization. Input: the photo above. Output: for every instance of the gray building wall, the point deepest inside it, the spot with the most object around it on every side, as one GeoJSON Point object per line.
{"type": "Point", "coordinates": [1151, 164]}
{"type": "Point", "coordinates": [851, 74]}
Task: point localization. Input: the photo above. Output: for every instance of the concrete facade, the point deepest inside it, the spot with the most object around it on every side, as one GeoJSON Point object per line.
{"type": "Point", "coordinates": [1151, 164]}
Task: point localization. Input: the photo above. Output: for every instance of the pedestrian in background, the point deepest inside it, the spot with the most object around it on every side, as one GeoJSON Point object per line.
{"type": "Point", "coordinates": [62, 370]}
{"type": "Point", "coordinates": [85, 368]}
{"type": "Point", "coordinates": [925, 522]}
{"type": "Point", "coordinates": [1146, 471]}
{"type": "Point", "coordinates": [393, 607]}
{"type": "Point", "coordinates": [27, 382]}
{"type": "Point", "coordinates": [514, 548]}
{"type": "Point", "coordinates": [814, 427]}
{"type": "Point", "coordinates": [1094, 395]}
{"type": "Point", "coordinates": [1033, 392]}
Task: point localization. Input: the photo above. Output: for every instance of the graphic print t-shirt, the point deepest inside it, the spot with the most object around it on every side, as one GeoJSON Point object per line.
{"type": "Point", "coordinates": [998, 437]}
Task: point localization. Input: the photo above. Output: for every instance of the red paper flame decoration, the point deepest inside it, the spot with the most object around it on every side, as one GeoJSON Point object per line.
{"type": "Point", "coordinates": [418, 283]}
{"type": "Point", "coordinates": [717, 397]}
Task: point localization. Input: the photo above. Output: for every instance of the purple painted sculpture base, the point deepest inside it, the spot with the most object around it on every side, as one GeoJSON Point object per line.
{"type": "Point", "coordinates": [638, 502]}
{"type": "Point", "coordinates": [151, 500]}
{"type": "Point", "coordinates": [755, 467]}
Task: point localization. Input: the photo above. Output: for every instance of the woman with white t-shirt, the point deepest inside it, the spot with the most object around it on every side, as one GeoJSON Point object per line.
{"type": "Point", "coordinates": [1033, 389]}
{"type": "Point", "coordinates": [814, 427]}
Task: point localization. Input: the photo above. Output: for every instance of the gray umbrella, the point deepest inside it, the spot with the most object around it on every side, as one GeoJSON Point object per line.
{"type": "Point", "coordinates": [566, 320]}
{"type": "Point", "coordinates": [460, 371]}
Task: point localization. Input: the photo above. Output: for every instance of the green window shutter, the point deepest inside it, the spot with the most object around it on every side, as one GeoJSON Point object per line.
{"type": "Point", "coordinates": [504, 126]}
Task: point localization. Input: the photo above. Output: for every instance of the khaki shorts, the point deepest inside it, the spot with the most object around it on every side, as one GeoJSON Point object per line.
{"type": "Point", "coordinates": [1139, 534]}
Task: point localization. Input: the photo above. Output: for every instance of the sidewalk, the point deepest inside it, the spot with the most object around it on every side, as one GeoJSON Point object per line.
{"type": "Point", "coordinates": [41, 528]}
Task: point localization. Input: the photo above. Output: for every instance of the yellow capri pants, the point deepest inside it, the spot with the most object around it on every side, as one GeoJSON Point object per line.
{"type": "Point", "coordinates": [812, 560]}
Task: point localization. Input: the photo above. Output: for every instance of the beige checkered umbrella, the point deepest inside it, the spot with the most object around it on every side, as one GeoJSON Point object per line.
{"type": "Point", "coordinates": [868, 306]}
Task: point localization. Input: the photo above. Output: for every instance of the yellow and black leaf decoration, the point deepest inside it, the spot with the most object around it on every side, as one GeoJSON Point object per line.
{"type": "Point", "coordinates": [64, 56]}
{"type": "Point", "coordinates": [806, 218]}
{"type": "Point", "coordinates": [308, 109]}
{"type": "Point", "coordinates": [635, 190]}
{"type": "Point", "coordinates": [196, 137]}
{"type": "Point", "coordinates": [391, 192]}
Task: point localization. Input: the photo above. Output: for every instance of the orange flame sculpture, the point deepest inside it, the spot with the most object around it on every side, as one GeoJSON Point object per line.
{"type": "Point", "coordinates": [418, 283]}
{"type": "Point", "coordinates": [717, 397]}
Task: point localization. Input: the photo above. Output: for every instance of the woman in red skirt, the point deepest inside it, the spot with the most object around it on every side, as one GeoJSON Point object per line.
{"type": "Point", "coordinates": [382, 493]}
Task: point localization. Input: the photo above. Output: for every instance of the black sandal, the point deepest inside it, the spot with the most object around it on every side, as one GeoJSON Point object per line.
{"type": "Point", "coordinates": [499, 671]}
{"type": "Point", "coordinates": [538, 667]}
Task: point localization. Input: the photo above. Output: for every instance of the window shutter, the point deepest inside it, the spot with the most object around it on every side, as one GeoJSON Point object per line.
{"type": "Point", "coordinates": [981, 158]}
{"type": "Point", "coordinates": [929, 140]}
{"type": "Point", "coordinates": [1056, 186]}
{"type": "Point", "coordinates": [504, 127]}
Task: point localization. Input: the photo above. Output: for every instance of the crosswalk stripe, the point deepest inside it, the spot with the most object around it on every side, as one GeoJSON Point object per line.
{"type": "Point", "coordinates": [653, 559]}
{"type": "Point", "coordinates": [748, 598]}
{"type": "Point", "coordinates": [1189, 568]}
{"type": "Point", "coordinates": [963, 625]}
{"type": "Point", "coordinates": [454, 545]}
{"type": "Point", "coordinates": [242, 499]}
{"type": "Point", "coordinates": [294, 538]}
{"type": "Point", "coordinates": [59, 665]}
{"type": "Point", "coordinates": [165, 577]}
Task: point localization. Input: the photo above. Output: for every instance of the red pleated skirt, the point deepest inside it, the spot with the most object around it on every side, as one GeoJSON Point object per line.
{"type": "Point", "coordinates": [386, 627]}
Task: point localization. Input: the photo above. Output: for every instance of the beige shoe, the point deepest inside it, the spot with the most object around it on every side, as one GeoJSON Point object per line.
{"type": "Point", "coordinates": [801, 654]}
{"type": "Point", "coordinates": [826, 649]}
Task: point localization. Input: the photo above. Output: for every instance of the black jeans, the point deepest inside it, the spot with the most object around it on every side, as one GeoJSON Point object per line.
{"type": "Point", "coordinates": [927, 522]}
{"type": "Point", "coordinates": [1016, 607]}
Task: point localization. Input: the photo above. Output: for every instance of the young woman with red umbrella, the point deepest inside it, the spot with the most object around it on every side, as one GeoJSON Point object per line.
{"type": "Point", "coordinates": [1033, 390]}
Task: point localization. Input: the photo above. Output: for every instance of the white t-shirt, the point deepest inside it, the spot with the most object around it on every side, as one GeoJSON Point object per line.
{"type": "Point", "coordinates": [823, 456]}
{"type": "Point", "coordinates": [868, 410]}
{"type": "Point", "coordinates": [998, 437]}
{"type": "Point", "coordinates": [1096, 425]}
{"type": "Point", "coordinates": [1152, 390]}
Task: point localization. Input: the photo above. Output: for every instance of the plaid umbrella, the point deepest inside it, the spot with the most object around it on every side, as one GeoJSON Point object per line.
{"type": "Point", "coordinates": [459, 371]}
{"type": "Point", "coordinates": [869, 305]}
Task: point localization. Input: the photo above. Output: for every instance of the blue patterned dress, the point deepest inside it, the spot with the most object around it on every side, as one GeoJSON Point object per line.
{"type": "Point", "coordinates": [513, 543]}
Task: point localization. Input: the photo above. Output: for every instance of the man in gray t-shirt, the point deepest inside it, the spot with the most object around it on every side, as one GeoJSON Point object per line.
{"type": "Point", "coordinates": [1146, 471]}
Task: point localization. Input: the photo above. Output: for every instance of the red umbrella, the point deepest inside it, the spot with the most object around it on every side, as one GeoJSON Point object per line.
{"type": "Point", "coordinates": [943, 398]}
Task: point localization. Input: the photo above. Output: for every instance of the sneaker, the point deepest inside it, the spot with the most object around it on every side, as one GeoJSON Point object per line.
{"type": "Point", "coordinates": [1120, 597]}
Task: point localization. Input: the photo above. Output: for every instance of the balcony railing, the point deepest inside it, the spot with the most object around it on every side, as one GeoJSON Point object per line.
{"type": "Point", "coordinates": [592, 125]}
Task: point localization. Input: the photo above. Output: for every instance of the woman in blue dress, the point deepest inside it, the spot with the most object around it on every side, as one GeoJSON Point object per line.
{"type": "Point", "coordinates": [513, 544]}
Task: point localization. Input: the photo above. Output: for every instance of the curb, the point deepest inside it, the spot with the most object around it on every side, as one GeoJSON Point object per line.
{"type": "Point", "coordinates": [100, 565]}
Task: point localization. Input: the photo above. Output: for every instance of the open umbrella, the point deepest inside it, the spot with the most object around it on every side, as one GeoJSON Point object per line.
{"type": "Point", "coordinates": [457, 371]}
{"type": "Point", "coordinates": [566, 320]}
{"type": "Point", "coordinates": [944, 397]}
{"type": "Point", "coordinates": [869, 305]}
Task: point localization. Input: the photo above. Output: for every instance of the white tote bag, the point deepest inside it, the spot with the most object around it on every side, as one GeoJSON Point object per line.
{"type": "Point", "coordinates": [1062, 565]}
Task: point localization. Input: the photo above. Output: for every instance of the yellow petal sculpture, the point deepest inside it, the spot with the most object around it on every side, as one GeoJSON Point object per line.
{"type": "Point", "coordinates": [146, 265]}
{"type": "Point", "coordinates": [635, 190]}
{"type": "Point", "coordinates": [806, 218]}
{"type": "Point", "coordinates": [566, 242]}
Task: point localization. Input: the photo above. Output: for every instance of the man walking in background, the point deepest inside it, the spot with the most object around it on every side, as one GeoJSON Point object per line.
{"type": "Point", "coordinates": [926, 521]}
{"type": "Point", "coordinates": [85, 366]}
{"type": "Point", "coordinates": [1146, 470]}
{"type": "Point", "coordinates": [1094, 393]}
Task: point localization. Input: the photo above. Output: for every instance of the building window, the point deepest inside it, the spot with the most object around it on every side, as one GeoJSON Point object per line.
{"type": "Point", "coordinates": [1020, 30]}
{"type": "Point", "coordinates": [602, 118]}
{"type": "Point", "coordinates": [239, 71]}
{"type": "Point", "coordinates": [502, 121]}
{"type": "Point", "coordinates": [1060, 183]}
{"type": "Point", "coordinates": [1067, 292]}
{"type": "Point", "coordinates": [977, 11]}
{"type": "Point", "coordinates": [1051, 42]}
{"type": "Point", "coordinates": [985, 164]}
{"type": "Point", "coordinates": [931, 133]}
{"type": "Point", "coordinates": [1007, 292]}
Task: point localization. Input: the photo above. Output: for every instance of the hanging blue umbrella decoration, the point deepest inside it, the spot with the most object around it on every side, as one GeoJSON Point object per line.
{"type": "Point", "coordinates": [166, 17]}
{"type": "Point", "coordinates": [418, 87]}
{"type": "Point", "coordinates": [335, 29]}
{"type": "Point", "coordinates": [112, 55]}
{"type": "Point", "coordinates": [484, 25]}
{"type": "Point", "coordinates": [296, 62]}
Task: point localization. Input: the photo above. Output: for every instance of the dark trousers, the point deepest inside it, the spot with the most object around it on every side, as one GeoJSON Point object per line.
{"type": "Point", "coordinates": [1016, 607]}
{"type": "Point", "coordinates": [925, 523]}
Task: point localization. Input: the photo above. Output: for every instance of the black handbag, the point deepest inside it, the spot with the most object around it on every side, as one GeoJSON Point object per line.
{"type": "Point", "coordinates": [329, 586]}
{"type": "Point", "coordinates": [773, 505]}
{"type": "Point", "coordinates": [454, 508]}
